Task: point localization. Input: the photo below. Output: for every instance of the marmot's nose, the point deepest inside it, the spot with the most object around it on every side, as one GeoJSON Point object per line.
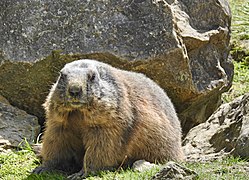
{"type": "Point", "coordinates": [75, 91]}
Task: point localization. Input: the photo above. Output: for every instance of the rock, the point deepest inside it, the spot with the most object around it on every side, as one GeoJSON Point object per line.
{"type": "Point", "coordinates": [226, 132]}
{"type": "Point", "coordinates": [182, 45]}
{"type": "Point", "coordinates": [3, 100]}
{"type": "Point", "coordinates": [175, 171]}
{"type": "Point", "coordinates": [16, 126]}
{"type": "Point", "coordinates": [37, 147]}
{"type": "Point", "coordinates": [3, 144]}
{"type": "Point", "coordinates": [245, 45]}
{"type": "Point", "coordinates": [142, 165]}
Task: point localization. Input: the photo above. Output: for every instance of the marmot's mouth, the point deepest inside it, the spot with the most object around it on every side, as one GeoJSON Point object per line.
{"type": "Point", "coordinates": [77, 104]}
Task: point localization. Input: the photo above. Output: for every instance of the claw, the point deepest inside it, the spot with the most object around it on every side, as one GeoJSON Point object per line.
{"type": "Point", "coordinates": [41, 169]}
{"type": "Point", "coordinates": [77, 176]}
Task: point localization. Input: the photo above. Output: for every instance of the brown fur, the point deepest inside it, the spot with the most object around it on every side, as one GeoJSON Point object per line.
{"type": "Point", "coordinates": [129, 116]}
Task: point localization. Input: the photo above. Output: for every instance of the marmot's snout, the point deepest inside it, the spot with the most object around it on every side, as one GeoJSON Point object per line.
{"type": "Point", "coordinates": [77, 94]}
{"type": "Point", "coordinates": [75, 91]}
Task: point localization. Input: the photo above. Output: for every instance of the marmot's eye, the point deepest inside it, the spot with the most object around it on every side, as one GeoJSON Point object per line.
{"type": "Point", "coordinates": [91, 76]}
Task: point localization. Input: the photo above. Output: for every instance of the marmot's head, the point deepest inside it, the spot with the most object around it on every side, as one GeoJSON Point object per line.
{"type": "Point", "coordinates": [84, 85]}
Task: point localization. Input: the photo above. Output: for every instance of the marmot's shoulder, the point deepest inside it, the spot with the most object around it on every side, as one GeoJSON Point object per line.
{"type": "Point", "coordinates": [142, 86]}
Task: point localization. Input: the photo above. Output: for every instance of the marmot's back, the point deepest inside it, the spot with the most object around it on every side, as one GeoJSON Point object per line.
{"type": "Point", "coordinates": [148, 89]}
{"type": "Point", "coordinates": [104, 115]}
{"type": "Point", "coordinates": [157, 122]}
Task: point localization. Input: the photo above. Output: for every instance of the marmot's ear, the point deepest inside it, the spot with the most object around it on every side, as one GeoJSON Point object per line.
{"type": "Point", "coordinates": [101, 72]}
{"type": "Point", "coordinates": [62, 75]}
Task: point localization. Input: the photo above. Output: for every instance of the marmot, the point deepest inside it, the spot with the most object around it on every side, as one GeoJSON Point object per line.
{"type": "Point", "coordinates": [99, 117]}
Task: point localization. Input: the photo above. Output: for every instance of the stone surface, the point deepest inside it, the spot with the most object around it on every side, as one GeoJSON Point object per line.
{"type": "Point", "coordinates": [37, 147]}
{"type": "Point", "coordinates": [226, 132]}
{"type": "Point", "coordinates": [16, 126]}
{"type": "Point", "coordinates": [175, 171]}
{"type": "Point", "coordinates": [4, 100]}
{"type": "Point", "coordinates": [182, 45]}
{"type": "Point", "coordinates": [142, 165]}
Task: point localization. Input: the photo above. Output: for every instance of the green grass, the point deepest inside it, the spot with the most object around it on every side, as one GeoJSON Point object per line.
{"type": "Point", "coordinates": [227, 169]}
{"type": "Point", "coordinates": [240, 16]}
{"type": "Point", "coordinates": [18, 165]}
{"type": "Point", "coordinates": [240, 84]}
{"type": "Point", "coordinates": [239, 51]}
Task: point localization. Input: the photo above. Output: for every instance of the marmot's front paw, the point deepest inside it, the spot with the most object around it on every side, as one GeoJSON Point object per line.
{"type": "Point", "coordinates": [77, 176]}
{"type": "Point", "coordinates": [41, 169]}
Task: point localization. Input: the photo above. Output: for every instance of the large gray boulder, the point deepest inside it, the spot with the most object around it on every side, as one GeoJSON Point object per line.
{"type": "Point", "coordinates": [182, 45]}
{"type": "Point", "coordinates": [226, 132]}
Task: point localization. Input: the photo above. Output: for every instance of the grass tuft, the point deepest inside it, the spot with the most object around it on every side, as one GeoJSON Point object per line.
{"type": "Point", "coordinates": [239, 49]}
